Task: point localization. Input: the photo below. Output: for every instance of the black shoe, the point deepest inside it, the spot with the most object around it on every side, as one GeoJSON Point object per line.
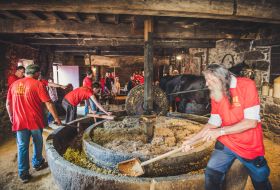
{"type": "Point", "coordinates": [25, 178]}
{"type": "Point", "coordinates": [43, 165]}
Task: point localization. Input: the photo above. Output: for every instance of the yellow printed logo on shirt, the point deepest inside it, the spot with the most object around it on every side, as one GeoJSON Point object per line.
{"type": "Point", "coordinates": [235, 101]}
{"type": "Point", "coordinates": [20, 89]}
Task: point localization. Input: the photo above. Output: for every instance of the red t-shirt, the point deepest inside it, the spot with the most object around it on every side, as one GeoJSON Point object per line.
{"type": "Point", "coordinates": [79, 94]}
{"type": "Point", "coordinates": [102, 83]}
{"type": "Point", "coordinates": [248, 144]}
{"type": "Point", "coordinates": [44, 82]}
{"type": "Point", "coordinates": [87, 82]}
{"type": "Point", "coordinates": [136, 77]}
{"type": "Point", "coordinates": [11, 79]}
{"type": "Point", "coordinates": [26, 96]}
{"type": "Point", "coordinates": [141, 79]}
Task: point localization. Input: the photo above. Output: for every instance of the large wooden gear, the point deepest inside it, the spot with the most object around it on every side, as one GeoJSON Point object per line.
{"type": "Point", "coordinates": [134, 103]}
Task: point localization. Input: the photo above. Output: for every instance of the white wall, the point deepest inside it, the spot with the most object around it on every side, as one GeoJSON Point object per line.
{"type": "Point", "coordinates": [66, 74]}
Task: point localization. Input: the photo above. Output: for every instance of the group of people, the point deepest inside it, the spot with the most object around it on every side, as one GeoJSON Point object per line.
{"type": "Point", "coordinates": [234, 123]}
{"type": "Point", "coordinates": [110, 84]}
{"type": "Point", "coordinates": [26, 97]}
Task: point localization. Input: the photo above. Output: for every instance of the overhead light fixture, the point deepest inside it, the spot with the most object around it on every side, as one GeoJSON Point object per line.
{"type": "Point", "coordinates": [179, 57]}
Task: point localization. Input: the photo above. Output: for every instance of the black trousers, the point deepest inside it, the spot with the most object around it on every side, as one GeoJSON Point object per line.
{"type": "Point", "coordinates": [71, 111]}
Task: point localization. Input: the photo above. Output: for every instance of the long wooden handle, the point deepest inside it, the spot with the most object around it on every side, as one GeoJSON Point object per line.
{"type": "Point", "coordinates": [169, 153]}
{"type": "Point", "coordinates": [162, 156]}
{"type": "Point", "coordinates": [77, 120]}
{"type": "Point", "coordinates": [102, 116]}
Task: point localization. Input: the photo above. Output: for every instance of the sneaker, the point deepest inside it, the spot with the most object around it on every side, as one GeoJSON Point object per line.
{"type": "Point", "coordinates": [25, 178]}
{"type": "Point", "coordinates": [43, 165]}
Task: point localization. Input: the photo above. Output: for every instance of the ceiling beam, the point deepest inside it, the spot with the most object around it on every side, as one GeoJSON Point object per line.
{"type": "Point", "coordinates": [60, 15]}
{"type": "Point", "coordinates": [14, 15]}
{"type": "Point", "coordinates": [116, 19]}
{"type": "Point", "coordinates": [40, 15]}
{"type": "Point", "coordinates": [66, 27]}
{"type": "Point", "coordinates": [109, 51]}
{"type": "Point", "coordinates": [99, 42]}
{"type": "Point", "coordinates": [97, 29]}
{"type": "Point", "coordinates": [256, 11]}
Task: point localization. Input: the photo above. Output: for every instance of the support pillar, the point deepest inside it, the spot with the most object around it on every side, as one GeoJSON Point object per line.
{"type": "Point", "coordinates": [98, 68]}
{"type": "Point", "coordinates": [148, 66]}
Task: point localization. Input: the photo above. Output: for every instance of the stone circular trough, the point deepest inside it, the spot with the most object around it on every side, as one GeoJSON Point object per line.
{"type": "Point", "coordinates": [179, 163]}
{"type": "Point", "coordinates": [70, 176]}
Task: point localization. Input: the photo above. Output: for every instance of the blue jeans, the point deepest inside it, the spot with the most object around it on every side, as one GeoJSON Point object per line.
{"type": "Point", "coordinates": [23, 138]}
{"type": "Point", "coordinates": [222, 159]}
{"type": "Point", "coordinates": [92, 105]}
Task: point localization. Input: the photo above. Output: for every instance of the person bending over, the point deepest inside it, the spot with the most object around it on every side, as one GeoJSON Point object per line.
{"type": "Point", "coordinates": [73, 98]}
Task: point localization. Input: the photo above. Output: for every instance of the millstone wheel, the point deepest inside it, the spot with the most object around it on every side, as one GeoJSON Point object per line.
{"type": "Point", "coordinates": [135, 101]}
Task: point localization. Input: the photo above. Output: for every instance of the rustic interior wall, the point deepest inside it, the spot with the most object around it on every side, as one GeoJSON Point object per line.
{"type": "Point", "coordinates": [9, 57]}
{"type": "Point", "coordinates": [46, 59]}
{"type": "Point", "coordinates": [5, 125]}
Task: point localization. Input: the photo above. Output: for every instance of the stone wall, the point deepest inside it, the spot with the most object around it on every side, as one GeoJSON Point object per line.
{"type": "Point", "coordinates": [270, 112]}
{"type": "Point", "coordinates": [230, 52]}
{"type": "Point", "coordinates": [258, 59]}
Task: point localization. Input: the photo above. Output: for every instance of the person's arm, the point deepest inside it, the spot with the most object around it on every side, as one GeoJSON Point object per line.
{"type": "Point", "coordinates": [189, 140]}
{"type": "Point", "coordinates": [239, 127]}
{"type": "Point", "coordinates": [52, 110]}
{"type": "Point", "coordinates": [9, 108]}
{"type": "Point", "coordinates": [99, 105]}
{"type": "Point", "coordinates": [51, 84]}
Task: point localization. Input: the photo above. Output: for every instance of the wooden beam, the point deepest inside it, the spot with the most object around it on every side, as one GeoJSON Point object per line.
{"type": "Point", "coordinates": [66, 26]}
{"type": "Point", "coordinates": [72, 16]}
{"type": "Point", "coordinates": [119, 30]}
{"type": "Point", "coordinates": [14, 15]}
{"type": "Point", "coordinates": [256, 11]}
{"type": "Point", "coordinates": [59, 15]}
{"type": "Point", "coordinates": [114, 51]}
{"type": "Point", "coordinates": [117, 19]}
{"type": "Point", "coordinates": [148, 27]}
{"type": "Point", "coordinates": [107, 53]}
{"type": "Point", "coordinates": [92, 42]}
{"type": "Point", "coordinates": [40, 15]}
{"type": "Point", "coordinates": [80, 17]}
{"type": "Point", "coordinates": [97, 18]}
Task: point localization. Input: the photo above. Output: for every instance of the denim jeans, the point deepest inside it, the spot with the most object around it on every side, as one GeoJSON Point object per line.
{"type": "Point", "coordinates": [23, 138]}
{"type": "Point", "coordinates": [222, 159]}
{"type": "Point", "coordinates": [92, 105]}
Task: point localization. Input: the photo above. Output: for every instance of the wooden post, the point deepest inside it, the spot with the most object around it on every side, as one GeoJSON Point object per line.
{"type": "Point", "coordinates": [148, 66]}
{"type": "Point", "coordinates": [98, 68]}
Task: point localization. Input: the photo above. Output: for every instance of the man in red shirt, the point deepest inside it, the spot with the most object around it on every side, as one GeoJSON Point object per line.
{"type": "Point", "coordinates": [87, 82]}
{"type": "Point", "coordinates": [235, 123]}
{"type": "Point", "coordinates": [73, 98]}
{"type": "Point", "coordinates": [18, 75]}
{"type": "Point", "coordinates": [24, 106]}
